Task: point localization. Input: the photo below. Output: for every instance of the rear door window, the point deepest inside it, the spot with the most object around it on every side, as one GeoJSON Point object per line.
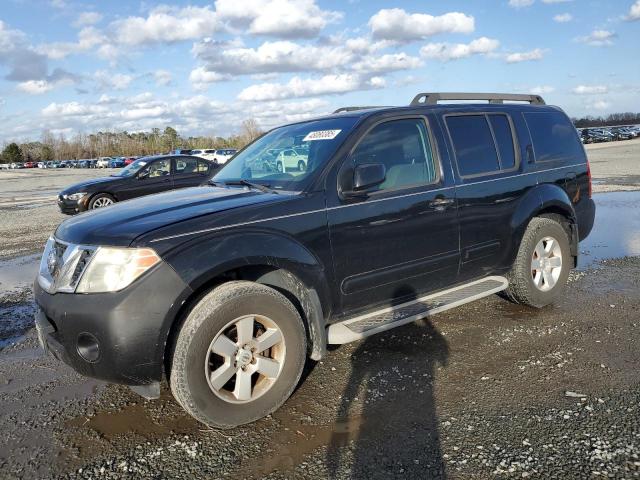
{"type": "Point", "coordinates": [476, 152]}
{"type": "Point", "coordinates": [483, 143]}
{"type": "Point", "coordinates": [553, 136]}
{"type": "Point", "coordinates": [504, 139]}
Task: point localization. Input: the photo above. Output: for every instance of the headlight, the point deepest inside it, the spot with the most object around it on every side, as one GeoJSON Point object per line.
{"type": "Point", "coordinates": [74, 196]}
{"type": "Point", "coordinates": [112, 269]}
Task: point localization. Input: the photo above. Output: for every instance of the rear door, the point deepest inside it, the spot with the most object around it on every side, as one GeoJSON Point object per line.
{"type": "Point", "coordinates": [489, 185]}
{"type": "Point", "coordinates": [402, 239]}
{"type": "Point", "coordinates": [189, 172]}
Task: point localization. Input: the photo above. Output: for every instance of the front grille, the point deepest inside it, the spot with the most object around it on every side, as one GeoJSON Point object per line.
{"type": "Point", "coordinates": [80, 266]}
{"type": "Point", "coordinates": [62, 265]}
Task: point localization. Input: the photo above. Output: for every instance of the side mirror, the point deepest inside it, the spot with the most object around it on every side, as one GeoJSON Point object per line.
{"type": "Point", "coordinates": [366, 176]}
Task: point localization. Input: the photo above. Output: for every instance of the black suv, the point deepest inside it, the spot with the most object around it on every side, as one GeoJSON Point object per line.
{"type": "Point", "coordinates": [400, 213]}
{"type": "Point", "coordinates": [145, 176]}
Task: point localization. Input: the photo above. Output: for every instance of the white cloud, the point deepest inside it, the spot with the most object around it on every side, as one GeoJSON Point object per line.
{"type": "Point", "coordinates": [87, 18]}
{"type": "Point", "coordinates": [201, 78]}
{"type": "Point", "coordinates": [112, 81]}
{"type": "Point", "coordinates": [563, 18]}
{"type": "Point", "coordinates": [634, 11]}
{"type": "Point", "coordinates": [35, 87]}
{"type": "Point", "coordinates": [71, 109]}
{"type": "Point", "coordinates": [277, 18]}
{"type": "Point", "coordinates": [166, 24]}
{"type": "Point", "coordinates": [396, 24]}
{"type": "Point", "coordinates": [278, 56]}
{"type": "Point", "coordinates": [520, 3]}
{"type": "Point", "coordinates": [162, 77]}
{"type": "Point", "coordinates": [271, 58]}
{"type": "Point", "coordinates": [88, 38]}
{"type": "Point", "coordinates": [598, 38]}
{"type": "Point", "coordinates": [556, 1]}
{"type": "Point", "coordinates": [598, 105]}
{"type": "Point", "coordinates": [535, 54]}
{"type": "Point", "coordinates": [542, 89]}
{"type": "Point", "coordinates": [307, 87]}
{"type": "Point", "coordinates": [449, 51]}
{"type": "Point", "coordinates": [590, 89]}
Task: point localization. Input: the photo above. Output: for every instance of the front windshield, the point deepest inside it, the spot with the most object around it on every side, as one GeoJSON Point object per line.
{"type": "Point", "coordinates": [133, 168]}
{"type": "Point", "coordinates": [286, 157]}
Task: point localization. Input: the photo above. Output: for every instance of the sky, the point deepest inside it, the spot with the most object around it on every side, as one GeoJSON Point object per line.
{"type": "Point", "coordinates": [69, 66]}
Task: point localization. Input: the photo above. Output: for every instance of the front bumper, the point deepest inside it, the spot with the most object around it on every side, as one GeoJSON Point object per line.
{"type": "Point", "coordinates": [130, 326]}
{"type": "Point", "coordinates": [71, 207]}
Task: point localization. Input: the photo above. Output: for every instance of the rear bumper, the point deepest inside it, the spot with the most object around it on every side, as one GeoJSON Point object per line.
{"type": "Point", "coordinates": [130, 327]}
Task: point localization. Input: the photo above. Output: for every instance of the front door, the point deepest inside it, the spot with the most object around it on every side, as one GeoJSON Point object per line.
{"type": "Point", "coordinates": [154, 178]}
{"type": "Point", "coordinates": [402, 239]}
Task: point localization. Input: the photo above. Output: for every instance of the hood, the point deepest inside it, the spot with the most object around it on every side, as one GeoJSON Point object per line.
{"type": "Point", "coordinates": [82, 186]}
{"type": "Point", "coordinates": [120, 224]}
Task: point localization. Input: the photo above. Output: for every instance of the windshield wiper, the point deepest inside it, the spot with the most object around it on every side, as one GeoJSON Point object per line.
{"type": "Point", "coordinates": [247, 183]}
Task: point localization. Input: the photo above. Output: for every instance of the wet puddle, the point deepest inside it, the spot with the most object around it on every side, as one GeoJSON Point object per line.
{"type": "Point", "coordinates": [616, 232]}
{"type": "Point", "coordinates": [18, 273]}
{"type": "Point", "coordinates": [16, 305]}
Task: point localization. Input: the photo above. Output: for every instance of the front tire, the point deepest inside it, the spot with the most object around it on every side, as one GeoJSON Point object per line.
{"type": "Point", "coordinates": [239, 355]}
{"type": "Point", "coordinates": [539, 274]}
{"type": "Point", "coordinates": [101, 200]}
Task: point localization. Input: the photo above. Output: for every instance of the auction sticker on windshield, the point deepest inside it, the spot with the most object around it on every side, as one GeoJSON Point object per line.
{"type": "Point", "coordinates": [321, 135]}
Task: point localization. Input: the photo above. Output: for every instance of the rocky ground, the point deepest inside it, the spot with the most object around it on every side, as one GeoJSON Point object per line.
{"type": "Point", "coordinates": [488, 390]}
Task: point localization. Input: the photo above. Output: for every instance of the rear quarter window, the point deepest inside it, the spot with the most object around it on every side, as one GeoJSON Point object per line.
{"type": "Point", "coordinates": [553, 137]}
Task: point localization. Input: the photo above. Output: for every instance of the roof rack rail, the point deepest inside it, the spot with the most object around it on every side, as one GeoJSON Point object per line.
{"type": "Point", "coordinates": [434, 98]}
{"type": "Point", "coordinates": [351, 109]}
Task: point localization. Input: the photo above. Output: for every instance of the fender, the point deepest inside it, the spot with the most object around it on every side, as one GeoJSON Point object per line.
{"type": "Point", "coordinates": [268, 257]}
{"type": "Point", "coordinates": [542, 199]}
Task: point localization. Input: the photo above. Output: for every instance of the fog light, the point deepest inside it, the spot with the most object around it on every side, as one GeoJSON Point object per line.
{"type": "Point", "coordinates": [88, 347]}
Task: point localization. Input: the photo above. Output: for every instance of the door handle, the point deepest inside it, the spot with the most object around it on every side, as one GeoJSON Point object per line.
{"type": "Point", "coordinates": [440, 204]}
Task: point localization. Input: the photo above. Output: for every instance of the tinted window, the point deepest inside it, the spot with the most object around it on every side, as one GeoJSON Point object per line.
{"type": "Point", "coordinates": [554, 137]}
{"type": "Point", "coordinates": [403, 147]}
{"type": "Point", "coordinates": [186, 165]}
{"type": "Point", "coordinates": [504, 138]}
{"type": "Point", "coordinates": [160, 168]}
{"type": "Point", "coordinates": [203, 167]}
{"type": "Point", "coordinates": [473, 144]}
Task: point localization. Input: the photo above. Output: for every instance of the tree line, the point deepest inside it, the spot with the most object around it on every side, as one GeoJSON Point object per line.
{"type": "Point", "coordinates": [120, 144]}
{"type": "Point", "coordinates": [627, 118]}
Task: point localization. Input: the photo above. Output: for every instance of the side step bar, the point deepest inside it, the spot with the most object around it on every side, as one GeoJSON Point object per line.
{"type": "Point", "coordinates": [371, 323]}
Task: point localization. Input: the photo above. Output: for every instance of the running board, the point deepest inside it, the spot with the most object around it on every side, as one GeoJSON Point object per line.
{"type": "Point", "coordinates": [365, 325]}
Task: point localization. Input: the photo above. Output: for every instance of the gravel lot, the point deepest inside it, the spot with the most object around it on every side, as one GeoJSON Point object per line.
{"type": "Point", "coordinates": [489, 390]}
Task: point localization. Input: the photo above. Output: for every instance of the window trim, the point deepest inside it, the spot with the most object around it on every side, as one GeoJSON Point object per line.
{"type": "Point", "coordinates": [435, 154]}
{"type": "Point", "coordinates": [514, 137]}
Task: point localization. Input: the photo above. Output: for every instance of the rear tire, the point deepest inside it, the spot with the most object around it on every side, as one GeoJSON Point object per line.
{"type": "Point", "coordinates": [219, 372]}
{"type": "Point", "coordinates": [539, 274]}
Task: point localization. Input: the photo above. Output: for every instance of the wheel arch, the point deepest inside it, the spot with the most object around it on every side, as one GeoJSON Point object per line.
{"type": "Point", "coordinates": [550, 201]}
{"type": "Point", "coordinates": [298, 275]}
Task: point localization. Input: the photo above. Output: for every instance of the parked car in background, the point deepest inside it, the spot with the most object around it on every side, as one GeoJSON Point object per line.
{"type": "Point", "coordinates": [116, 162]}
{"type": "Point", "coordinates": [129, 160]}
{"type": "Point", "coordinates": [29, 165]}
{"type": "Point", "coordinates": [207, 154]}
{"type": "Point", "coordinates": [145, 176]}
{"type": "Point", "coordinates": [289, 159]}
{"type": "Point", "coordinates": [222, 156]}
{"type": "Point", "coordinates": [103, 162]}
